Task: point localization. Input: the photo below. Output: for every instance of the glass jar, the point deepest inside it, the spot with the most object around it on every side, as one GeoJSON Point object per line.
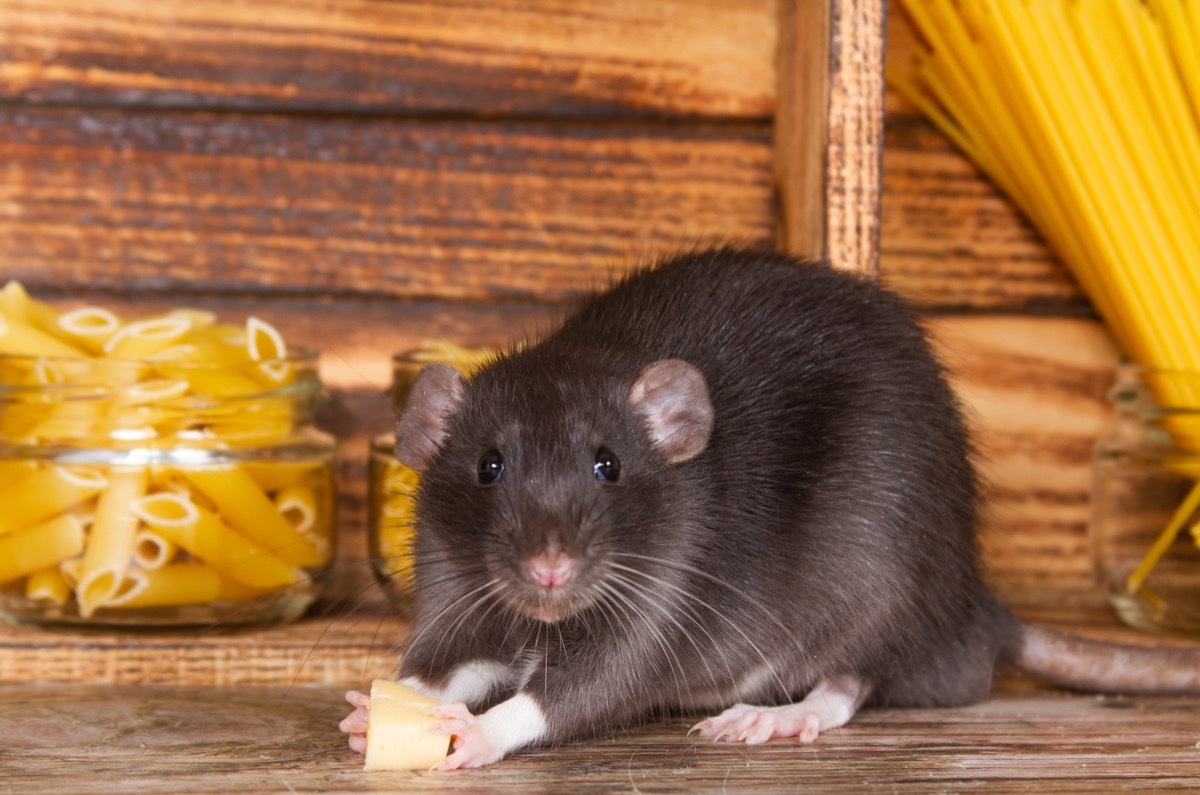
{"type": "Point", "coordinates": [161, 492]}
{"type": "Point", "coordinates": [393, 486]}
{"type": "Point", "coordinates": [1146, 501]}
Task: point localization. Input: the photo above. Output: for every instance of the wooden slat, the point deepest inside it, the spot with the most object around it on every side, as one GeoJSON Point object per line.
{"type": "Point", "coordinates": [829, 130]}
{"type": "Point", "coordinates": [854, 141]}
{"type": "Point", "coordinates": [1035, 390]}
{"type": "Point", "coordinates": [197, 202]}
{"type": "Point", "coordinates": [949, 239]}
{"type": "Point", "coordinates": [560, 58]}
{"type": "Point", "coordinates": [801, 126]}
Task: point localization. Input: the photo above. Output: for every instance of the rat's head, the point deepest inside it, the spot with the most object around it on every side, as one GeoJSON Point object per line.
{"type": "Point", "coordinates": [552, 484]}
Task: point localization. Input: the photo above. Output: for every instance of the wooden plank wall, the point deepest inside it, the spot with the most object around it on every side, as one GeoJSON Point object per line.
{"type": "Point", "coordinates": [367, 174]}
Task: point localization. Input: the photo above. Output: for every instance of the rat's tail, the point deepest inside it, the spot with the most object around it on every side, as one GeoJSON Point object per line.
{"type": "Point", "coordinates": [1105, 667]}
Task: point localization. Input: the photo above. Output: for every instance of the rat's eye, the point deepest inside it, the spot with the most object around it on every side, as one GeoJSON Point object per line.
{"type": "Point", "coordinates": [607, 466]}
{"type": "Point", "coordinates": [490, 468]}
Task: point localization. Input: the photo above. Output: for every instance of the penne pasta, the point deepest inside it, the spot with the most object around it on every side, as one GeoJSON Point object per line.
{"type": "Point", "coordinates": [48, 585]}
{"type": "Point", "coordinates": [16, 303]}
{"type": "Point", "coordinates": [110, 540]}
{"type": "Point", "coordinates": [70, 568]}
{"type": "Point", "coordinates": [39, 547]}
{"type": "Point", "coordinates": [217, 382]}
{"type": "Point", "coordinates": [265, 344]}
{"type": "Point", "coordinates": [205, 536]}
{"type": "Point", "coordinates": [298, 506]}
{"type": "Point", "coordinates": [180, 584]}
{"type": "Point", "coordinates": [21, 339]}
{"type": "Point", "coordinates": [271, 476]}
{"type": "Point", "coordinates": [240, 501]}
{"type": "Point", "coordinates": [89, 327]}
{"type": "Point", "coordinates": [151, 551]}
{"type": "Point", "coordinates": [46, 493]}
{"type": "Point", "coordinates": [145, 338]}
{"type": "Point", "coordinates": [12, 469]}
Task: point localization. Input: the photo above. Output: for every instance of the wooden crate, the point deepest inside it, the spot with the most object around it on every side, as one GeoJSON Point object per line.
{"type": "Point", "coordinates": [367, 174]}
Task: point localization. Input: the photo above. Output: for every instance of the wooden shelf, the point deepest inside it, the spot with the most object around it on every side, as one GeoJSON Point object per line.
{"type": "Point", "coordinates": [135, 739]}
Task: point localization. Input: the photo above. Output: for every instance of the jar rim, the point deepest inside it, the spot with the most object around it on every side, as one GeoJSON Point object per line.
{"type": "Point", "coordinates": [1154, 391]}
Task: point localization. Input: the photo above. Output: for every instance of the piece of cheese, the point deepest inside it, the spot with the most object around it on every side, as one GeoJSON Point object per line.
{"type": "Point", "coordinates": [398, 735]}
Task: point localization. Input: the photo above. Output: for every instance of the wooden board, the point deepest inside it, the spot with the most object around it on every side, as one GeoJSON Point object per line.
{"type": "Point", "coordinates": [168, 199]}
{"type": "Point", "coordinates": [171, 739]}
{"type": "Point", "coordinates": [550, 58]}
{"type": "Point", "coordinates": [125, 201]}
{"type": "Point", "coordinates": [1035, 390]}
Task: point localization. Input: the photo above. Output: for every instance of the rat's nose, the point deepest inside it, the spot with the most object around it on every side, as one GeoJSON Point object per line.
{"type": "Point", "coordinates": [551, 569]}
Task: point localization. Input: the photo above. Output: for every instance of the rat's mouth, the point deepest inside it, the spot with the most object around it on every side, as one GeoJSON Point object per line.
{"type": "Point", "coordinates": [547, 613]}
{"type": "Point", "coordinates": [551, 605]}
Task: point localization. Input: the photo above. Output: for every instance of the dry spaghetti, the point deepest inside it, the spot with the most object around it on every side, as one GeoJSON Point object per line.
{"type": "Point", "coordinates": [1088, 115]}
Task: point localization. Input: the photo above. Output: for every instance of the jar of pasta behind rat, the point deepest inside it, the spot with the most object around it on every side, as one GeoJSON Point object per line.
{"type": "Point", "coordinates": [164, 472]}
{"type": "Point", "coordinates": [393, 486]}
{"type": "Point", "coordinates": [1146, 501]}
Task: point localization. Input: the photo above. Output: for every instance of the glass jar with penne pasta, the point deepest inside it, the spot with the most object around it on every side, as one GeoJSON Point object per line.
{"type": "Point", "coordinates": [163, 472]}
{"type": "Point", "coordinates": [393, 486]}
{"type": "Point", "coordinates": [1146, 501]}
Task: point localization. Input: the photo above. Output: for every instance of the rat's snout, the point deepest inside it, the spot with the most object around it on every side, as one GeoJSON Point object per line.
{"type": "Point", "coordinates": [551, 568]}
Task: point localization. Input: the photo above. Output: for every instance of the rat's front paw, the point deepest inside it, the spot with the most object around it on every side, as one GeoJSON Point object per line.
{"type": "Point", "coordinates": [472, 746]}
{"type": "Point", "coordinates": [355, 724]}
{"type": "Point", "coordinates": [744, 723]}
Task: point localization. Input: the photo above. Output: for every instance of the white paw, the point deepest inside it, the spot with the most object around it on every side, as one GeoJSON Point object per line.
{"type": "Point", "coordinates": [829, 705]}
{"type": "Point", "coordinates": [472, 747]}
{"type": "Point", "coordinates": [743, 723]}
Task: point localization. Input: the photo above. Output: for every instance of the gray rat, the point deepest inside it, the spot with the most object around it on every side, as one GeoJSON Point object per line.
{"type": "Point", "coordinates": [733, 483]}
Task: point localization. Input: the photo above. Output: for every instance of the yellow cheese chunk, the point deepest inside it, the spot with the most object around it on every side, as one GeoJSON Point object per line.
{"type": "Point", "coordinates": [398, 735]}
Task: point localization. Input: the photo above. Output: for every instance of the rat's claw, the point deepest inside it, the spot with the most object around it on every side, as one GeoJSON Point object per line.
{"type": "Point", "coordinates": [721, 726]}
{"type": "Point", "coordinates": [472, 747]}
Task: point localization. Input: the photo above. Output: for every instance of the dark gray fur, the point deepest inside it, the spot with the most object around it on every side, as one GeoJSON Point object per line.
{"type": "Point", "coordinates": [827, 528]}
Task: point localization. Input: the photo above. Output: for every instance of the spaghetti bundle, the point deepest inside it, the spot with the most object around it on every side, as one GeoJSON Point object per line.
{"type": "Point", "coordinates": [1087, 114]}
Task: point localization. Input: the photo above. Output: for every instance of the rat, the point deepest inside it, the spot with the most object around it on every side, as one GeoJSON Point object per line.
{"type": "Point", "coordinates": [733, 484]}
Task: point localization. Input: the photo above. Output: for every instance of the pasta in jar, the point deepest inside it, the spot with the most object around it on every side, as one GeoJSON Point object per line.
{"type": "Point", "coordinates": [164, 471]}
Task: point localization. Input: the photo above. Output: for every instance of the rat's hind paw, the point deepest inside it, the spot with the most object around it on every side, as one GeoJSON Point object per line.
{"type": "Point", "coordinates": [355, 724]}
{"type": "Point", "coordinates": [472, 747]}
{"type": "Point", "coordinates": [754, 725]}
{"type": "Point", "coordinates": [829, 705]}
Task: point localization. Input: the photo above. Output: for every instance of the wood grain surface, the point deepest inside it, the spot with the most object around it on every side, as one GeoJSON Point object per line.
{"type": "Point", "coordinates": [854, 140]}
{"type": "Point", "coordinates": [144, 739]}
{"type": "Point", "coordinates": [549, 58]}
{"type": "Point", "coordinates": [204, 203]}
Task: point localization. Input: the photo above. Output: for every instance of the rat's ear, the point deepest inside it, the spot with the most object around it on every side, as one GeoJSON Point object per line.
{"type": "Point", "coordinates": [672, 396]}
{"type": "Point", "coordinates": [421, 429]}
